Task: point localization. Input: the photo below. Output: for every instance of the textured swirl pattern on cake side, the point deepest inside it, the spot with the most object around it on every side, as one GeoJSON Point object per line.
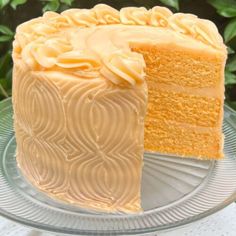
{"type": "Point", "coordinates": [37, 132]}
{"type": "Point", "coordinates": [86, 144]}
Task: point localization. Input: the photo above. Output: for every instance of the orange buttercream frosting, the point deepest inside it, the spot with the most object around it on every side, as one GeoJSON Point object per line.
{"type": "Point", "coordinates": [46, 41]}
{"type": "Point", "coordinates": [82, 83]}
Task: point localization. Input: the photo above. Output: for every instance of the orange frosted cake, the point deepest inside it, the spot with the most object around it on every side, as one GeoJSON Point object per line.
{"type": "Point", "coordinates": [94, 88]}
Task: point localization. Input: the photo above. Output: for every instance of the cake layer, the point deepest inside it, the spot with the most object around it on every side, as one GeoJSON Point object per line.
{"type": "Point", "coordinates": [185, 108]}
{"type": "Point", "coordinates": [183, 140]}
{"type": "Point", "coordinates": [183, 66]}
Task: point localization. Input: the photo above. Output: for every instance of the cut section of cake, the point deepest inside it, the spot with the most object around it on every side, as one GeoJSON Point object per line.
{"type": "Point", "coordinates": [94, 88]}
{"type": "Point", "coordinates": [185, 100]}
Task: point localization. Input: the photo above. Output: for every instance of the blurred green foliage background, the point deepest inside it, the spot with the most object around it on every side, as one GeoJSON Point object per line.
{"type": "Point", "coordinates": [14, 12]}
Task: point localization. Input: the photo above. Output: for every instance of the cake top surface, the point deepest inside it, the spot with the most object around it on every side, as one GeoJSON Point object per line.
{"type": "Point", "coordinates": [92, 43]}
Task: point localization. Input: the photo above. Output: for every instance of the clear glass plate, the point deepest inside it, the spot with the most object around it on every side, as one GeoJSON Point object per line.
{"type": "Point", "coordinates": [175, 191]}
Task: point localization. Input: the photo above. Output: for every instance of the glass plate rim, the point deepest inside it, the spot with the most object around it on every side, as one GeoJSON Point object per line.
{"type": "Point", "coordinates": [48, 228]}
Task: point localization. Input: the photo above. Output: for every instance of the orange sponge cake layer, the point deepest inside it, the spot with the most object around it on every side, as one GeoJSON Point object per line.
{"type": "Point", "coordinates": [185, 100]}
{"type": "Point", "coordinates": [172, 137]}
{"type": "Point", "coordinates": [185, 108]}
{"type": "Point", "coordinates": [183, 66]}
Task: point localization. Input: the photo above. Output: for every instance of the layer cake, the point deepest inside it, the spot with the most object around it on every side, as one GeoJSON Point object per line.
{"type": "Point", "coordinates": [94, 88]}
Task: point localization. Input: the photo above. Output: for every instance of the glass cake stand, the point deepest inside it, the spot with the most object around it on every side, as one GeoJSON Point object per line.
{"type": "Point", "coordinates": [175, 191]}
